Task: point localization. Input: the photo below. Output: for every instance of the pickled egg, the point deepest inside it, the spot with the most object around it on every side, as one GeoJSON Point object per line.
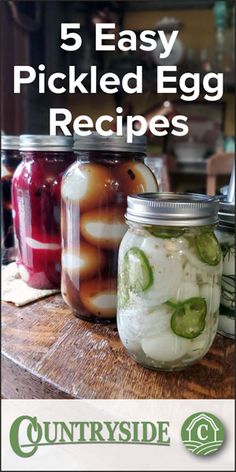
{"type": "Point", "coordinates": [90, 185]}
{"type": "Point", "coordinates": [140, 322]}
{"type": "Point", "coordinates": [35, 244]}
{"type": "Point", "coordinates": [127, 337]}
{"type": "Point", "coordinates": [135, 178]}
{"type": "Point", "coordinates": [165, 348]}
{"type": "Point", "coordinates": [70, 294]}
{"type": "Point", "coordinates": [187, 290]}
{"type": "Point", "coordinates": [84, 263]}
{"type": "Point", "coordinates": [167, 273]}
{"type": "Point", "coordinates": [99, 297]}
{"type": "Point", "coordinates": [193, 275]}
{"type": "Point", "coordinates": [105, 227]}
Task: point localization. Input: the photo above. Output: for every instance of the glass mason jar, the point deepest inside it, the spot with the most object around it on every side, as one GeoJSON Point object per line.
{"type": "Point", "coordinates": [36, 193]}
{"type": "Point", "coordinates": [226, 236]}
{"type": "Point", "coordinates": [169, 273]}
{"type": "Point", "coordinates": [94, 194]}
{"type": "Point", "coordinates": [10, 159]}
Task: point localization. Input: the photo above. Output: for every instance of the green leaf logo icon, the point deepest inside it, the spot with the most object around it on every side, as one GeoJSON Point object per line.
{"type": "Point", "coordinates": [202, 434]}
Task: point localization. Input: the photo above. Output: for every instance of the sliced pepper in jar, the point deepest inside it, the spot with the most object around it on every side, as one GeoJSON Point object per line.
{"type": "Point", "coordinates": [138, 272]}
{"type": "Point", "coordinates": [208, 248]}
{"type": "Point", "coordinates": [188, 319]}
{"type": "Point", "coordinates": [165, 232]}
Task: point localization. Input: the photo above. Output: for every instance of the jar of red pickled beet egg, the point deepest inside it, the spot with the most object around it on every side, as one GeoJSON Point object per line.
{"type": "Point", "coordinates": [36, 194]}
{"type": "Point", "coordinates": [94, 195]}
{"type": "Point", "coordinates": [10, 158]}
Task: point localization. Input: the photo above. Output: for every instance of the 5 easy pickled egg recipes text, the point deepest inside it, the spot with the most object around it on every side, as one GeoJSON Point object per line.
{"type": "Point", "coordinates": [168, 81]}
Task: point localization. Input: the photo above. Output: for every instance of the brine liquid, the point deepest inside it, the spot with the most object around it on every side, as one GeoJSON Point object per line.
{"type": "Point", "coordinates": [94, 197]}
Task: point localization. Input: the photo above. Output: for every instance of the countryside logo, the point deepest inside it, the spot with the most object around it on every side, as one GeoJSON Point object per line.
{"type": "Point", "coordinates": [202, 434]}
{"type": "Point", "coordinates": [27, 434]}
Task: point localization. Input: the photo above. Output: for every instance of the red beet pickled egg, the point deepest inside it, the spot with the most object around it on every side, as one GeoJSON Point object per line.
{"type": "Point", "coordinates": [135, 178]}
{"type": "Point", "coordinates": [104, 227]}
{"type": "Point", "coordinates": [84, 263]}
{"type": "Point", "coordinates": [89, 185]}
{"type": "Point", "coordinates": [99, 297]}
{"type": "Point", "coordinates": [35, 244]}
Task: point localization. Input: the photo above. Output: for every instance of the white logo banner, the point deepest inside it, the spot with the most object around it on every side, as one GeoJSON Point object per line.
{"type": "Point", "coordinates": [129, 435]}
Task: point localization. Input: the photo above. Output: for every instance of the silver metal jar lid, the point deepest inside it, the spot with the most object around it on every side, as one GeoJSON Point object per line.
{"type": "Point", "coordinates": [172, 209]}
{"type": "Point", "coordinates": [44, 142]}
{"type": "Point", "coordinates": [96, 142]}
{"type": "Point", "coordinates": [226, 214]}
{"type": "Point", "coordinates": [9, 142]}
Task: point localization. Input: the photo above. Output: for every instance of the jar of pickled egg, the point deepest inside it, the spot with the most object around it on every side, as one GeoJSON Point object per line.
{"type": "Point", "coordinates": [169, 276]}
{"type": "Point", "coordinates": [94, 195]}
{"type": "Point", "coordinates": [36, 193]}
{"type": "Point", "coordinates": [226, 236]}
{"type": "Point", "coordinates": [10, 159]}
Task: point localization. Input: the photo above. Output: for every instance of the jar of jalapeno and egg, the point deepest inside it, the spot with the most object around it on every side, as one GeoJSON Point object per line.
{"type": "Point", "coordinates": [226, 235]}
{"type": "Point", "coordinates": [169, 276]}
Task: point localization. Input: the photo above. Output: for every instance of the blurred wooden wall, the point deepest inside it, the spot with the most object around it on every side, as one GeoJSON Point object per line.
{"type": "Point", "coordinates": [13, 51]}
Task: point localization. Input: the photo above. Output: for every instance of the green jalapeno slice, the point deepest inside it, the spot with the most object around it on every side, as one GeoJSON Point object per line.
{"type": "Point", "coordinates": [165, 232]}
{"type": "Point", "coordinates": [208, 248]}
{"type": "Point", "coordinates": [138, 272]}
{"type": "Point", "coordinates": [188, 320]}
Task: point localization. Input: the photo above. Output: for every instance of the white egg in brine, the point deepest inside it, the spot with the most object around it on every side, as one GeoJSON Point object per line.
{"type": "Point", "coordinates": [128, 338]}
{"type": "Point", "coordinates": [85, 262]}
{"type": "Point", "coordinates": [89, 186]}
{"type": "Point", "coordinates": [165, 348]}
{"type": "Point", "coordinates": [99, 297]}
{"type": "Point", "coordinates": [148, 177]}
{"type": "Point", "coordinates": [34, 244]}
{"type": "Point", "coordinates": [135, 178]}
{"type": "Point", "coordinates": [142, 322]}
{"type": "Point", "coordinates": [187, 290]}
{"type": "Point", "coordinates": [167, 274]}
{"type": "Point", "coordinates": [105, 226]}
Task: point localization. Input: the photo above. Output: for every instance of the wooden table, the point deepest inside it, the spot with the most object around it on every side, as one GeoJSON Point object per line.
{"type": "Point", "coordinates": [48, 353]}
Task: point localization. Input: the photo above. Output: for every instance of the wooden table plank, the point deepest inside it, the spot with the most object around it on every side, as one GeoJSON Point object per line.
{"type": "Point", "coordinates": [48, 353]}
